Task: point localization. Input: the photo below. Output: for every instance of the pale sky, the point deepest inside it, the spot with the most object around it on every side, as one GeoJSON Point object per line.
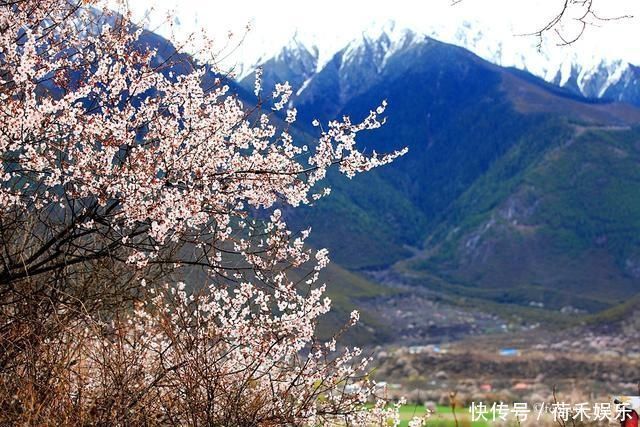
{"type": "Point", "coordinates": [332, 23]}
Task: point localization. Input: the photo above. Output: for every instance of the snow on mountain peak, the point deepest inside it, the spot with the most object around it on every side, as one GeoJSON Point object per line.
{"type": "Point", "coordinates": [585, 70]}
{"type": "Point", "coordinates": [378, 43]}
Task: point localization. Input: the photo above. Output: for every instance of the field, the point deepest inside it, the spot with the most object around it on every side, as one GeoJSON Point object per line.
{"type": "Point", "coordinates": [443, 417]}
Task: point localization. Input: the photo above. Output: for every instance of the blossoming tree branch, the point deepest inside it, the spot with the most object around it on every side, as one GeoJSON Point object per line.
{"type": "Point", "coordinates": [145, 272]}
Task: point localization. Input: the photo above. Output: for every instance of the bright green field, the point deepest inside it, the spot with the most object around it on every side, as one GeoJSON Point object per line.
{"type": "Point", "coordinates": [442, 418]}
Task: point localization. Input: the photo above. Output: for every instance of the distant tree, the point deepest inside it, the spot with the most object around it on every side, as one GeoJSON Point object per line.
{"type": "Point", "coordinates": [125, 175]}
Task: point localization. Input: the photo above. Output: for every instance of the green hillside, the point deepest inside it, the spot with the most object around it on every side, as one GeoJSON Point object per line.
{"type": "Point", "coordinates": [366, 222]}
{"type": "Point", "coordinates": [562, 229]}
{"type": "Point", "coordinates": [346, 291]}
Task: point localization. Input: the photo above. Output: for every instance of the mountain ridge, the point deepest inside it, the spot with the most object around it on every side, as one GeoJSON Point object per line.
{"type": "Point", "coordinates": [586, 74]}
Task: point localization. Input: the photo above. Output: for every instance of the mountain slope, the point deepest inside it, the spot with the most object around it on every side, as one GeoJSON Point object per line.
{"type": "Point", "coordinates": [563, 231]}
{"type": "Point", "coordinates": [504, 195]}
{"type": "Point", "coordinates": [455, 112]}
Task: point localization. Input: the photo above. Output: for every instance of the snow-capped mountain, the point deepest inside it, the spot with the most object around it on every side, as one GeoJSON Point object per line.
{"type": "Point", "coordinates": [583, 71]}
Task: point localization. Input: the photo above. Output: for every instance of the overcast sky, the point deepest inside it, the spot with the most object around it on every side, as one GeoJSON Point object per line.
{"type": "Point", "coordinates": [334, 22]}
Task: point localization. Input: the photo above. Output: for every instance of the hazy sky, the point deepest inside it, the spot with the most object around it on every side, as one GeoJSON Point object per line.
{"type": "Point", "coordinates": [334, 22]}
